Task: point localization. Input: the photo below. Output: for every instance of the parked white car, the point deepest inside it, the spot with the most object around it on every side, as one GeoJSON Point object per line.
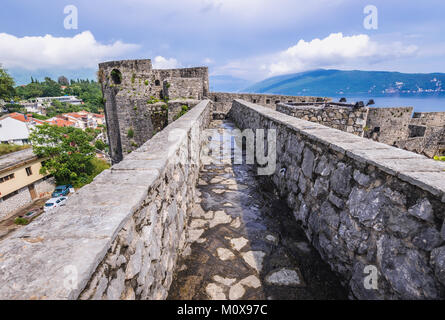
{"type": "Point", "coordinates": [54, 203]}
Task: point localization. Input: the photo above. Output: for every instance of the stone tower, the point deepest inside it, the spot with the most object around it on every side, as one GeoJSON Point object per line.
{"type": "Point", "coordinates": [136, 96]}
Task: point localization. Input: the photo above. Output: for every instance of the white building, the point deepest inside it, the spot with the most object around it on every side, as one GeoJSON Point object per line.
{"type": "Point", "coordinates": [13, 131]}
{"type": "Point", "coordinates": [68, 99]}
{"type": "Point", "coordinates": [32, 107]}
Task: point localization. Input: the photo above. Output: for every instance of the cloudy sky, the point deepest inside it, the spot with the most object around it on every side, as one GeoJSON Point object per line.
{"type": "Point", "coordinates": [249, 39]}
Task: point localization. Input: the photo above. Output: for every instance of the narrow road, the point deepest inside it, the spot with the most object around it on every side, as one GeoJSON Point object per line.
{"type": "Point", "coordinates": [247, 244]}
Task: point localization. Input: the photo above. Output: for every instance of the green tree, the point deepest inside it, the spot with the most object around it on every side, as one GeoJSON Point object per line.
{"type": "Point", "coordinates": [15, 108]}
{"type": "Point", "coordinates": [100, 145]}
{"type": "Point", "coordinates": [68, 153]}
{"type": "Point", "coordinates": [51, 88]}
{"type": "Point", "coordinates": [32, 90]}
{"type": "Point", "coordinates": [7, 91]}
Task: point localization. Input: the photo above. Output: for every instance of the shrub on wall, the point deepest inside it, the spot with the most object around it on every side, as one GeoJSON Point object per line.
{"type": "Point", "coordinates": [153, 100]}
{"type": "Point", "coordinates": [184, 110]}
{"type": "Point", "coordinates": [130, 133]}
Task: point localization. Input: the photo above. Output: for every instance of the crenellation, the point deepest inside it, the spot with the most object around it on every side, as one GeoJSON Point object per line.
{"type": "Point", "coordinates": [426, 134]}
{"type": "Point", "coordinates": [223, 101]}
{"type": "Point", "coordinates": [423, 133]}
{"type": "Point", "coordinates": [337, 116]}
{"type": "Point", "coordinates": [388, 125]}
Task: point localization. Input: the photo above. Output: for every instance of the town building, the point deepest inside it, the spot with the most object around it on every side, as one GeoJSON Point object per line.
{"type": "Point", "coordinates": [60, 122]}
{"type": "Point", "coordinates": [83, 119]}
{"type": "Point", "coordinates": [32, 107]}
{"type": "Point", "coordinates": [64, 99]}
{"type": "Point", "coordinates": [21, 182]}
{"type": "Point", "coordinates": [13, 131]}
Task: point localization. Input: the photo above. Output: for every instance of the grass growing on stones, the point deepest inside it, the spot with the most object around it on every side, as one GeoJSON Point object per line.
{"type": "Point", "coordinates": [184, 110]}
{"type": "Point", "coordinates": [153, 100]}
{"type": "Point", "coordinates": [130, 133]}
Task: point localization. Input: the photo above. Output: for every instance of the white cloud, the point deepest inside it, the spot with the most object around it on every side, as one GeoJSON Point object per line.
{"type": "Point", "coordinates": [79, 51]}
{"type": "Point", "coordinates": [334, 51]}
{"type": "Point", "coordinates": [165, 63]}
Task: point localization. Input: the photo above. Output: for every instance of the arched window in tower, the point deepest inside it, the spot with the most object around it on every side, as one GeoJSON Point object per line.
{"type": "Point", "coordinates": [157, 83]}
{"type": "Point", "coordinates": [116, 76]}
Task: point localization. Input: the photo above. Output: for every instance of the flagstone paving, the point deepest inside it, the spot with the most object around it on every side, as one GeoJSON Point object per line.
{"type": "Point", "coordinates": [246, 242]}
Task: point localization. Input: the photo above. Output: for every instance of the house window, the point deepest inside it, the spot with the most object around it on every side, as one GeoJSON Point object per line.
{"type": "Point", "coordinates": [29, 171]}
{"type": "Point", "coordinates": [6, 178]}
{"type": "Point", "coordinates": [254, 100]}
{"type": "Point", "coordinates": [277, 101]}
{"type": "Point", "coordinates": [268, 101]}
{"type": "Point", "coordinates": [157, 83]}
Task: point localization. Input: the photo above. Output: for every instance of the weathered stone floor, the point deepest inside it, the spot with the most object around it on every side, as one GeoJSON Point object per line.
{"type": "Point", "coordinates": [246, 243]}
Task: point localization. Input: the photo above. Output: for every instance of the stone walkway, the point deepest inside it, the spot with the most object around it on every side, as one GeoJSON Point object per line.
{"type": "Point", "coordinates": [246, 244]}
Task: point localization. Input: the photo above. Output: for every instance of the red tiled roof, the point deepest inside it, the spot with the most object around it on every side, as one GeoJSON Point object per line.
{"type": "Point", "coordinates": [21, 117]}
{"type": "Point", "coordinates": [60, 122]}
{"type": "Point", "coordinates": [73, 114]}
{"type": "Point", "coordinates": [18, 116]}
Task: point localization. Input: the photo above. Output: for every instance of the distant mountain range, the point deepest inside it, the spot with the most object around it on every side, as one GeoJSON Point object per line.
{"type": "Point", "coordinates": [349, 83]}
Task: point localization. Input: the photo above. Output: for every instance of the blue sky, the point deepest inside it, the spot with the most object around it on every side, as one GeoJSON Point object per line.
{"type": "Point", "coordinates": [249, 39]}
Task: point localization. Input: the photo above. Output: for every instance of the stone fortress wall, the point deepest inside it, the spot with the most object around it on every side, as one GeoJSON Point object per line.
{"type": "Point", "coordinates": [222, 101]}
{"type": "Point", "coordinates": [361, 203]}
{"type": "Point", "coordinates": [120, 236]}
{"type": "Point", "coordinates": [388, 125]}
{"type": "Point", "coordinates": [426, 134]}
{"type": "Point", "coordinates": [428, 119]}
{"type": "Point", "coordinates": [422, 133]}
{"type": "Point", "coordinates": [337, 116]}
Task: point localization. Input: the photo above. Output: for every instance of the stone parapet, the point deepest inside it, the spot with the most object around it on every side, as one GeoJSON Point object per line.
{"type": "Point", "coordinates": [118, 237]}
{"type": "Point", "coordinates": [347, 119]}
{"type": "Point", "coordinates": [364, 205]}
